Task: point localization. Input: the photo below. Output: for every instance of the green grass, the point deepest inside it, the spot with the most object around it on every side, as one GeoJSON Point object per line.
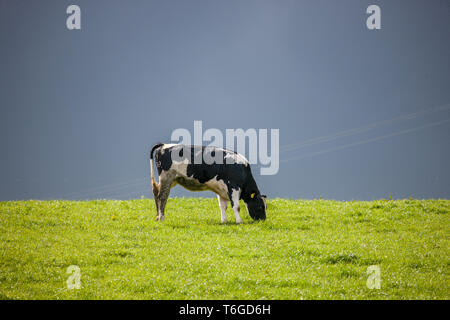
{"type": "Point", "coordinates": [316, 249]}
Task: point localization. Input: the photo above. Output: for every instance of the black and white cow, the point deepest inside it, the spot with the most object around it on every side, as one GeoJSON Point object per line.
{"type": "Point", "coordinates": [230, 177]}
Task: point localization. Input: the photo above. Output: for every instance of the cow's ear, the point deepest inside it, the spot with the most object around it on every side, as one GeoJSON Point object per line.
{"type": "Point", "coordinates": [252, 195]}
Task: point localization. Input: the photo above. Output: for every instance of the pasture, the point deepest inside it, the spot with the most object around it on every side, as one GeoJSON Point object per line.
{"type": "Point", "coordinates": [306, 249]}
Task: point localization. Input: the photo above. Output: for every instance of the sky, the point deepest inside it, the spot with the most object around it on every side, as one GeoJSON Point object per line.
{"type": "Point", "coordinates": [362, 114]}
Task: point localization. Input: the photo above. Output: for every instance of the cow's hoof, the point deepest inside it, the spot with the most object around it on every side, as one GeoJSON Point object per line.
{"type": "Point", "coordinates": [238, 221]}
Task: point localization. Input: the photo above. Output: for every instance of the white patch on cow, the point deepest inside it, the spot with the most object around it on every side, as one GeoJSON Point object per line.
{"type": "Point", "coordinates": [242, 159]}
{"type": "Point", "coordinates": [180, 168]}
{"type": "Point", "coordinates": [235, 194]}
{"type": "Point", "coordinates": [236, 158]}
{"type": "Point", "coordinates": [218, 186]}
{"type": "Point", "coordinates": [246, 206]}
{"type": "Point", "coordinates": [168, 145]}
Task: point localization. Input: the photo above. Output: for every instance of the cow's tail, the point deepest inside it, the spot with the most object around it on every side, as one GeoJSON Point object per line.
{"type": "Point", "coordinates": [155, 186]}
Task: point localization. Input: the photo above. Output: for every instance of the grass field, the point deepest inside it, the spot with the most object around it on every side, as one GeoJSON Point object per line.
{"type": "Point", "coordinates": [307, 249]}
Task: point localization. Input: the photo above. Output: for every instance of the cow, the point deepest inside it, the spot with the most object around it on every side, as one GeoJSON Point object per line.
{"type": "Point", "coordinates": [229, 176]}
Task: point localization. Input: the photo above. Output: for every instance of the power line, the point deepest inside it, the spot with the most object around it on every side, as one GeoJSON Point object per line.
{"type": "Point", "coordinates": [107, 188]}
{"type": "Point", "coordinates": [358, 130]}
{"type": "Point", "coordinates": [368, 140]}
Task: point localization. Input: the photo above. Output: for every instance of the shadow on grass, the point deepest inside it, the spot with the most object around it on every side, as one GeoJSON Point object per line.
{"type": "Point", "coordinates": [231, 223]}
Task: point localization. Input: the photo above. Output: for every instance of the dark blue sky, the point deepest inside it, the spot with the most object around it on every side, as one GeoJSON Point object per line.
{"type": "Point", "coordinates": [362, 114]}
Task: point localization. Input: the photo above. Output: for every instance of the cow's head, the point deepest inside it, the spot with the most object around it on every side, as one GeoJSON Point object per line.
{"type": "Point", "coordinates": [256, 206]}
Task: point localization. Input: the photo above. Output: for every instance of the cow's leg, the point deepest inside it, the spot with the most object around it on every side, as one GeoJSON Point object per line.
{"type": "Point", "coordinates": [155, 189]}
{"type": "Point", "coordinates": [164, 192]}
{"type": "Point", "coordinates": [235, 204]}
{"type": "Point", "coordinates": [223, 203]}
{"type": "Point", "coordinates": [166, 178]}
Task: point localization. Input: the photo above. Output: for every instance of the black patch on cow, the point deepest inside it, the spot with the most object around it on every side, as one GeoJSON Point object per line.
{"type": "Point", "coordinates": [163, 160]}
